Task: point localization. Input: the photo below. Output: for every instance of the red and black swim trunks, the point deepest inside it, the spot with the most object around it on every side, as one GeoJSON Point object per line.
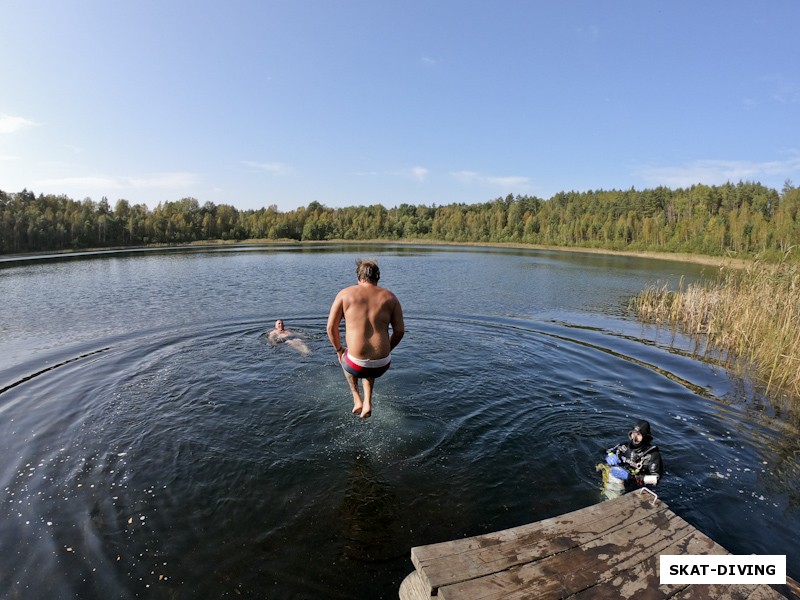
{"type": "Point", "coordinates": [361, 367]}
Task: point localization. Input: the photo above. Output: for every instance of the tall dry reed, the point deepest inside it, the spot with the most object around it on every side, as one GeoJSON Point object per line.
{"type": "Point", "coordinates": [751, 317]}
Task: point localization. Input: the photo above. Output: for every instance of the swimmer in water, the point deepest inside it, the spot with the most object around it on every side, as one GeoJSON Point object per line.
{"type": "Point", "coordinates": [291, 338]}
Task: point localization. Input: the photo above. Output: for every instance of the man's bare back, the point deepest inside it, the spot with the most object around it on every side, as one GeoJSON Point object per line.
{"type": "Point", "coordinates": [369, 312]}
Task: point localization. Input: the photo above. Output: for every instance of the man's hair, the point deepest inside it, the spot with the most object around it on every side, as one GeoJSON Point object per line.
{"type": "Point", "coordinates": [368, 269]}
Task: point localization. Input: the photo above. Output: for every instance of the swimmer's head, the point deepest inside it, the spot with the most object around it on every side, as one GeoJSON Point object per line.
{"type": "Point", "coordinates": [368, 270]}
{"type": "Point", "coordinates": [279, 325]}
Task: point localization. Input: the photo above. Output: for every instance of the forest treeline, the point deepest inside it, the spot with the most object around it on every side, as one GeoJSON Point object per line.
{"type": "Point", "coordinates": [744, 219]}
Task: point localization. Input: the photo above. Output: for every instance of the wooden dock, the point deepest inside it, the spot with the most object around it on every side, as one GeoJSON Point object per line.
{"type": "Point", "coordinates": [609, 550]}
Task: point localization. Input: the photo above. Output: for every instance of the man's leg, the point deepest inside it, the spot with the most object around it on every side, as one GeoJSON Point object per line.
{"type": "Point", "coordinates": [353, 383]}
{"type": "Point", "coordinates": [298, 345]}
{"type": "Point", "coordinates": [366, 411]}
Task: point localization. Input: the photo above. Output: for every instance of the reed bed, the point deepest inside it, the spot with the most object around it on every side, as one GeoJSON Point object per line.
{"type": "Point", "coordinates": [750, 317]}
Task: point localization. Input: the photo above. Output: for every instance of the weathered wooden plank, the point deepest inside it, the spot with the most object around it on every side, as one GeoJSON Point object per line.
{"type": "Point", "coordinates": [717, 591]}
{"type": "Point", "coordinates": [412, 588]}
{"type": "Point", "coordinates": [702, 544]}
{"type": "Point", "coordinates": [791, 589]}
{"type": "Point", "coordinates": [610, 550]}
{"type": "Point", "coordinates": [575, 518]}
{"type": "Point", "coordinates": [742, 591]}
{"type": "Point", "coordinates": [642, 581]}
{"type": "Point", "coordinates": [461, 560]}
{"type": "Point", "coordinates": [766, 592]}
{"type": "Point", "coordinates": [567, 573]}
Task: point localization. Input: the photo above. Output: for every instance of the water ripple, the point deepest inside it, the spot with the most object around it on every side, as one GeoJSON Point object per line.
{"type": "Point", "coordinates": [189, 459]}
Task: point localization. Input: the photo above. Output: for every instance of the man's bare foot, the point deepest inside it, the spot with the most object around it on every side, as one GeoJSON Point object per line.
{"type": "Point", "coordinates": [366, 412]}
{"type": "Point", "coordinates": [357, 408]}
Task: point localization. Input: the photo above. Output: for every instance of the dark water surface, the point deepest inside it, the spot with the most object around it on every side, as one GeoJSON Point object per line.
{"type": "Point", "coordinates": [154, 445]}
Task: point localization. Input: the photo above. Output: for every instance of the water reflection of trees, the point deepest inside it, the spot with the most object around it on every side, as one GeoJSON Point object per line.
{"type": "Point", "coordinates": [367, 519]}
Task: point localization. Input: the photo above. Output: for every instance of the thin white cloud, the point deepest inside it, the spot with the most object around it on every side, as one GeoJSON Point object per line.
{"type": "Point", "coordinates": [274, 168]}
{"type": "Point", "coordinates": [509, 182]}
{"type": "Point", "coordinates": [61, 165]}
{"type": "Point", "coordinates": [718, 172]}
{"type": "Point", "coordinates": [590, 32]}
{"type": "Point", "coordinates": [168, 181]}
{"type": "Point", "coordinates": [89, 182]}
{"type": "Point", "coordinates": [783, 90]}
{"type": "Point", "coordinates": [467, 177]}
{"type": "Point", "coordinates": [516, 182]}
{"type": "Point", "coordinates": [4, 157]}
{"type": "Point", "coordinates": [419, 173]}
{"type": "Point", "coordinates": [10, 124]}
{"type": "Point", "coordinates": [427, 60]}
{"type": "Point", "coordinates": [774, 88]}
{"type": "Point", "coordinates": [173, 180]}
{"type": "Point", "coordinates": [416, 173]}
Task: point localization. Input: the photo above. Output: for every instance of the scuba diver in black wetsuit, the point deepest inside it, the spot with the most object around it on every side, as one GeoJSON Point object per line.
{"type": "Point", "coordinates": [637, 462]}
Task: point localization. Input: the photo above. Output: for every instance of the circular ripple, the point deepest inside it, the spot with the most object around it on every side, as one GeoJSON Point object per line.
{"type": "Point", "coordinates": [206, 461]}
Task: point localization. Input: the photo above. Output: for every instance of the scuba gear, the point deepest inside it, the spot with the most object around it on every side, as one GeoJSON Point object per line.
{"type": "Point", "coordinates": [633, 463]}
{"type": "Point", "coordinates": [639, 461]}
{"type": "Point", "coordinates": [643, 429]}
{"type": "Point", "coordinates": [644, 461]}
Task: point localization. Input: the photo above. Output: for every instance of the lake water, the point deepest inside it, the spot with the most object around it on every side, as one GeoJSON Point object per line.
{"type": "Point", "coordinates": [154, 445]}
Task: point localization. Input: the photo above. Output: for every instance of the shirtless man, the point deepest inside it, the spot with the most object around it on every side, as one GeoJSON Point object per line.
{"type": "Point", "coordinates": [292, 339]}
{"type": "Point", "coordinates": [368, 311]}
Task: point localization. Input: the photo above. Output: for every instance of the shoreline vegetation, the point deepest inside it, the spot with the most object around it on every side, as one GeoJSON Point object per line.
{"type": "Point", "coordinates": [749, 317]}
{"type": "Point", "coordinates": [714, 261]}
{"type": "Point", "coordinates": [746, 230]}
{"type": "Point", "coordinates": [740, 221]}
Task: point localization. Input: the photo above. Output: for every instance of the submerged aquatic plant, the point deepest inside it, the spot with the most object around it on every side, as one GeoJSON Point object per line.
{"type": "Point", "coordinates": [750, 317]}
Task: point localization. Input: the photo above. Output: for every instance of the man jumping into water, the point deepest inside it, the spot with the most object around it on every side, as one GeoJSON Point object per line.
{"type": "Point", "coordinates": [368, 311]}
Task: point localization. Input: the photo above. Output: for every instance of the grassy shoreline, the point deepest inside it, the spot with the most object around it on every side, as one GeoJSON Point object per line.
{"type": "Point", "coordinates": [749, 317]}
{"type": "Point", "coordinates": [715, 261]}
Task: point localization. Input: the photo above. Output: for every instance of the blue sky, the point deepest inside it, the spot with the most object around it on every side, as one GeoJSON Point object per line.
{"type": "Point", "coordinates": [254, 103]}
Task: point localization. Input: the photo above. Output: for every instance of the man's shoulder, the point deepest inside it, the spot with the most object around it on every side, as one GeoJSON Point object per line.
{"type": "Point", "coordinates": [387, 296]}
{"type": "Point", "coordinates": [347, 291]}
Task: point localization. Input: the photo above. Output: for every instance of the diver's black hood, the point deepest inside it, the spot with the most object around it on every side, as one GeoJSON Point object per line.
{"type": "Point", "coordinates": [643, 427]}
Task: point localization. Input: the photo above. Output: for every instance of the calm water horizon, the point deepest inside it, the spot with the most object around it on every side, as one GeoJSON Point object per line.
{"type": "Point", "coordinates": [154, 444]}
